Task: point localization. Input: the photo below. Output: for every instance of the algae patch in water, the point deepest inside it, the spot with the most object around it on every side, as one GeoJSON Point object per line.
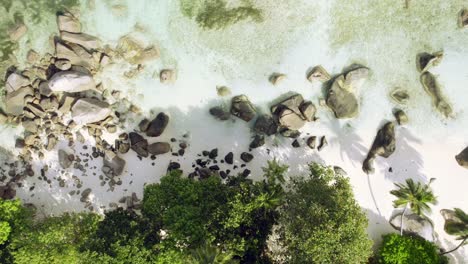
{"type": "Point", "coordinates": [216, 14]}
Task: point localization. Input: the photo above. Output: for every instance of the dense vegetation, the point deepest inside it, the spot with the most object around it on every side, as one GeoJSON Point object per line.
{"type": "Point", "coordinates": [397, 249]}
{"type": "Point", "coordinates": [312, 219]}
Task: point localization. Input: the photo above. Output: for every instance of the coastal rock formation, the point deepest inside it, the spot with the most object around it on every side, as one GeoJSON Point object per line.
{"type": "Point", "coordinates": [318, 74]}
{"type": "Point", "coordinates": [17, 31]}
{"type": "Point", "coordinates": [294, 112]}
{"type": "Point", "coordinates": [341, 96]}
{"type": "Point", "coordinates": [384, 146]}
{"type": "Point", "coordinates": [87, 41]}
{"type": "Point", "coordinates": [76, 54]}
{"type": "Point", "coordinates": [138, 144]}
{"type": "Point", "coordinates": [15, 101]}
{"type": "Point", "coordinates": [71, 82]}
{"type": "Point", "coordinates": [425, 60]}
{"type": "Point", "coordinates": [15, 81]}
{"type": "Point", "coordinates": [242, 108]}
{"type": "Point", "coordinates": [414, 224]}
{"type": "Point", "coordinates": [89, 110]}
{"type": "Point", "coordinates": [158, 125]}
{"type": "Point", "coordinates": [431, 86]}
{"type": "Point", "coordinates": [462, 158]}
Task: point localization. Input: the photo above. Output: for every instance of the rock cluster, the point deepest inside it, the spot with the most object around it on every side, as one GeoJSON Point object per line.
{"type": "Point", "coordinates": [462, 158]}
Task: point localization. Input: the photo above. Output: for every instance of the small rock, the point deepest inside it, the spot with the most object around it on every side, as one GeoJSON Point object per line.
{"type": "Point", "coordinates": [158, 125]}
{"type": "Point", "coordinates": [159, 148]}
{"type": "Point", "coordinates": [318, 73]}
{"type": "Point", "coordinates": [462, 158]}
{"type": "Point", "coordinates": [311, 142]}
{"type": "Point", "coordinates": [290, 133]}
{"type": "Point", "coordinates": [276, 78]}
{"type": "Point", "coordinates": [167, 76]}
{"type": "Point", "coordinates": [173, 166]}
{"type": "Point", "coordinates": [229, 158]}
{"type": "Point", "coordinates": [220, 113]}
{"type": "Point", "coordinates": [257, 142]}
{"type": "Point", "coordinates": [245, 173]}
{"type": "Point", "coordinates": [400, 96]}
{"type": "Point", "coordinates": [213, 153]}
{"type": "Point", "coordinates": [426, 60]}
{"type": "Point", "coordinates": [242, 108]}
{"type": "Point", "coordinates": [401, 117]}
{"type": "Point", "coordinates": [223, 91]}
{"type": "Point", "coordinates": [51, 142]}
{"type": "Point", "coordinates": [323, 143]}
{"type": "Point", "coordinates": [85, 195]}
{"type": "Point", "coordinates": [246, 157]}
{"type": "Point", "coordinates": [296, 144]}
{"type": "Point", "coordinates": [463, 18]}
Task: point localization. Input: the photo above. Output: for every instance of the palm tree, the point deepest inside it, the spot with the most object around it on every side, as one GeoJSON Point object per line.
{"type": "Point", "coordinates": [456, 226]}
{"type": "Point", "coordinates": [207, 254]}
{"type": "Point", "coordinates": [417, 196]}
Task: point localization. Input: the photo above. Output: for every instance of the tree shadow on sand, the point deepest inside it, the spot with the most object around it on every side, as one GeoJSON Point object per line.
{"type": "Point", "coordinates": [406, 162]}
{"type": "Point", "coordinates": [349, 142]}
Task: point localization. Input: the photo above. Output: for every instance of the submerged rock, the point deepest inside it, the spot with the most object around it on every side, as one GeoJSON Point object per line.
{"type": "Point", "coordinates": [463, 18]}
{"type": "Point", "coordinates": [167, 76]}
{"type": "Point", "coordinates": [89, 110]}
{"type": "Point", "coordinates": [242, 108]}
{"type": "Point", "coordinates": [462, 158]}
{"type": "Point", "coordinates": [384, 146]}
{"type": "Point", "coordinates": [257, 142]}
{"type": "Point", "coordinates": [276, 78]}
{"type": "Point", "coordinates": [113, 166]}
{"type": "Point", "coordinates": [431, 86]}
{"type": "Point", "coordinates": [266, 124]}
{"type": "Point", "coordinates": [246, 157]}
{"type": "Point", "coordinates": [64, 159]}
{"type": "Point", "coordinates": [400, 96]}
{"type": "Point", "coordinates": [341, 97]}
{"type": "Point", "coordinates": [223, 91]}
{"type": "Point", "coordinates": [318, 73]}
{"type": "Point", "coordinates": [158, 125]}
{"type": "Point", "coordinates": [220, 113]}
{"type": "Point", "coordinates": [71, 82]}
{"type": "Point", "coordinates": [16, 31]}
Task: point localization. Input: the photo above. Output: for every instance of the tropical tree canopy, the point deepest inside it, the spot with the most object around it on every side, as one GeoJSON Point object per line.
{"type": "Point", "coordinates": [417, 195]}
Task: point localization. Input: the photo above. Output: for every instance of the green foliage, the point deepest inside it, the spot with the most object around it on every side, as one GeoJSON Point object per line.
{"type": "Point", "coordinates": [457, 226]}
{"type": "Point", "coordinates": [216, 14]}
{"type": "Point", "coordinates": [417, 195]}
{"type": "Point", "coordinates": [398, 249]}
{"type": "Point", "coordinates": [53, 240]}
{"type": "Point", "coordinates": [321, 221]}
{"type": "Point", "coordinates": [207, 254]}
{"type": "Point", "coordinates": [12, 216]}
